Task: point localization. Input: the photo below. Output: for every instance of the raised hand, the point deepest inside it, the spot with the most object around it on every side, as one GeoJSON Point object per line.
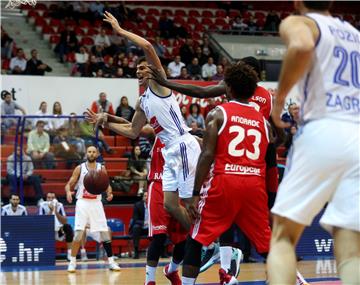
{"type": "Point", "coordinates": [109, 18]}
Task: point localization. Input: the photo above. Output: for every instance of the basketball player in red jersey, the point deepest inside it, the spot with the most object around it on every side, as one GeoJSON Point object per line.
{"type": "Point", "coordinates": [236, 138]}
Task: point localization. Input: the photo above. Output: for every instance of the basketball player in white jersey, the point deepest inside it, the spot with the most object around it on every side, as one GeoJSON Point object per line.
{"type": "Point", "coordinates": [89, 209]}
{"type": "Point", "coordinates": [323, 59]}
{"type": "Point", "coordinates": [159, 106]}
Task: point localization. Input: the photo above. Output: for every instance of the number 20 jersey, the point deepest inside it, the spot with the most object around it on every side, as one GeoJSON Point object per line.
{"type": "Point", "coordinates": [242, 141]}
{"type": "Point", "coordinates": [331, 88]}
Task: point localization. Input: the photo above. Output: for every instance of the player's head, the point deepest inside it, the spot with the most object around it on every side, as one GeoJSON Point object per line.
{"type": "Point", "coordinates": [304, 6]}
{"type": "Point", "coordinates": [50, 196]}
{"type": "Point", "coordinates": [142, 72]}
{"type": "Point", "coordinates": [253, 62]}
{"type": "Point", "coordinates": [240, 81]}
{"type": "Point", "coordinates": [92, 153]}
{"type": "Point", "coordinates": [14, 200]}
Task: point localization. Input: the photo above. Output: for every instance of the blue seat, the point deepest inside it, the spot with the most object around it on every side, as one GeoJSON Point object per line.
{"type": "Point", "coordinates": [116, 226]}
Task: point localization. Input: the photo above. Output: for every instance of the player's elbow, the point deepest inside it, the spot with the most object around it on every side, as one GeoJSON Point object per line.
{"type": "Point", "coordinates": [147, 46]}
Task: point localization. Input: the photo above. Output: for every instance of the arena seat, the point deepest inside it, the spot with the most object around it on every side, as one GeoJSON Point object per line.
{"type": "Point", "coordinates": [220, 14]}
{"type": "Point", "coordinates": [207, 14]}
{"type": "Point", "coordinates": [194, 13]}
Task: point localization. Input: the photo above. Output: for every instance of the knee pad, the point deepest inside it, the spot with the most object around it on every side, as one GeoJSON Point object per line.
{"type": "Point", "coordinates": [78, 235]}
{"type": "Point", "coordinates": [192, 253]}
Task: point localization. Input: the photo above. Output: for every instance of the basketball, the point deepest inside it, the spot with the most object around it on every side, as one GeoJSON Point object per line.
{"type": "Point", "coordinates": [96, 181]}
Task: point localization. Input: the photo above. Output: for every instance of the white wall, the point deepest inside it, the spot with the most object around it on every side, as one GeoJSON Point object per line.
{"type": "Point", "coordinates": [75, 94]}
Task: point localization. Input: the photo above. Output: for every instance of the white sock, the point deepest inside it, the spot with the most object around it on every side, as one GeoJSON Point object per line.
{"type": "Point", "coordinates": [187, 280]}
{"type": "Point", "coordinates": [111, 259]}
{"type": "Point", "coordinates": [172, 266]}
{"type": "Point", "coordinates": [225, 257]}
{"type": "Point", "coordinates": [69, 251]}
{"type": "Point", "coordinates": [83, 250]}
{"type": "Point", "coordinates": [73, 259]}
{"type": "Point", "coordinates": [150, 274]}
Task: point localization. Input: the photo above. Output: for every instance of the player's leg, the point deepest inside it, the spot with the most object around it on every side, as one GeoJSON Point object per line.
{"type": "Point", "coordinates": [153, 255]}
{"type": "Point", "coordinates": [175, 209]}
{"type": "Point", "coordinates": [107, 244]}
{"type": "Point", "coordinates": [69, 236]}
{"type": "Point", "coordinates": [171, 270]}
{"type": "Point", "coordinates": [192, 261]}
{"type": "Point", "coordinates": [347, 253]}
{"type": "Point", "coordinates": [75, 248]}
{"type": "Point", "coordinates": [285, 236]}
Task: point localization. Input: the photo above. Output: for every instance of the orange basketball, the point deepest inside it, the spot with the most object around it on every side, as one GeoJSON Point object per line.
{"type": "Point", "coordinates": [96, 181]}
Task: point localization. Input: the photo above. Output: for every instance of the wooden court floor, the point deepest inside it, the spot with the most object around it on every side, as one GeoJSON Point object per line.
{"type": "Point", "coordinates": [92, 272]}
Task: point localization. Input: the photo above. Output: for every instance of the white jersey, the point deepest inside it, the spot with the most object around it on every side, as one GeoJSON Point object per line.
{"type": "Point", "coordinates": [8, 211]}
{"type": "Point", "coordinates": [164, 116]}
{"type": "Point", "coordinates": [331, 89]}
{"type": "Point", "coordinates": [81, 192]}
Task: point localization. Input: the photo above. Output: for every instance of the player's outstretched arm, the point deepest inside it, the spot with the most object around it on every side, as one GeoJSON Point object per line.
{"type": "Point", "coordinates": [145, 45]}
{"type": "Point", "coordinates": [187, 89]}
{"type": "Point", "coordinates": [299, 34]}
{"type": "Point", "coordinates": [132, 130]}
{"type": "Point", "coordinates": [71, 183]}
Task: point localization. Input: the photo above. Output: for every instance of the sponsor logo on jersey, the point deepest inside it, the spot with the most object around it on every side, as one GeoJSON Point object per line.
{"type": "Point", "coordinates": [155, 125]}
{"type": "Point", "coordinates": [241, 169]}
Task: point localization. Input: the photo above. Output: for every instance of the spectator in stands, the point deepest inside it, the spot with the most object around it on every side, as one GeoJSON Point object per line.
{"type": "Point", "coordinates": [128, 71]}
{"type": "Point", "coordinates": [98, 52]}
{"type": "Point", "coordinates": [208, 70]}
{"type": "Point", "coordinates": [167, 72]}
{"type": "Point", "coordinates": [18, 63]}
{"type": "Point", "coordinates": [64, 149]}
{"type": "Point", "coordinates": [74, 132]}
{"type": "Point", "coordinates": [35, 66]}
{"type": "Point", "coordinates": [184, 112]}
{"type": "Point", "coordinates": [102, 39]}
{"type": "Point", "coordinates": [139, 223]}
{"type": "Point", "coordinates": [224, 62]}
{"type": "Point", "coordinates": [252, 26]}
{"type": "Point", "coordinates": [195, 130]}
{"type": "Point", "coordinates": [57, 123]}
{"type": "Point", "coordinates": [99, 73]}
{"type": "Point", "coordinates": [117, 44]}
{"type": "Point", "coordinates": [194, 69]}
{"type": "Point", "coordinates": [109, 68]}
{"type": "Point", "coordinates": [124, 110]}
{"type": "Point", "coordinates": [81, 59]}
{"type": "Point", "coordinates": [97, 9]}
{"type": "Point", "coordinates": [200, 56]}
{"type": "Point", "coordinates": [239, 25]}
{"type": "Point", "coordinates": [195, 116]}
{"type": "Point", "coordinates": [133, 58]}
{"type": "Point", "coordinates": [38, 147]}
{"type": "Point", "coordinates": [137, 167]}
{"type": "Point", "coordinates": [93, 66]}
{"type": "Point", "coordinates": [7, 44]}
{"type": "Point", "coordinates": [211, 104]}
{"type": "Point", "coordinates": [102, 105]}
{"type": "Point", "coordinates": [27, 174]}
{"type": "Point", "coordinates": [160, 49]}
{"type": "Point", "coordinates": [187, 51]}
{"type": "Point", "coordinates": [175, 66]}
{"type": "Point", "coordinates": [43, 112]}
{"type": "Point", "coordinates": [14, 208]}
{"type": "Point", "coordinates": [8, 107]}
{"type": "Point", "coordinates": [184, 74]}
{"type": "Point", "coordinates": [272, 22]}
{"type": "Point", "coordinates": [68, 43]}
{"type": "Point", "coordinates": [292, 116]}
{"type": "Point", "coordinates": [206, 49]}
{"type": "Point", "coordinates": [119, 73]}
{"type": "Point", "coordinates": [88, 135]}
{"type": "Point", "coordinates": [62, 229]}
{"type": "Point", "coordinates": [166, 26]}
{"type": "Point", "coordinates": [219, 73]}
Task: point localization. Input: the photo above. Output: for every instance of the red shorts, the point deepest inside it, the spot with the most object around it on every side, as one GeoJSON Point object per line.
{"type": "Point", "coordinates": [233, 199]}
{"type": "Point", "coordinates": [160, 220]}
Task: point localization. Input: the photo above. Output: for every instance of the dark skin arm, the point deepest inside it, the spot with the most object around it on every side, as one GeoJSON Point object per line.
{"type": "Point", "coordinates": [187, 89]}
{"type": "Point", "coordinates": [213, 123]}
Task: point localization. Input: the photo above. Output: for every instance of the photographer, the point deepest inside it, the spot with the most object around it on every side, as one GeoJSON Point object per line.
{"type": "Point", "coordinates": [62, 230]}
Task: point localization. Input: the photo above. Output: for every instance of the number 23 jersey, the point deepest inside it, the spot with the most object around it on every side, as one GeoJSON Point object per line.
{"type": "Point", "coordinates": [242, 141]}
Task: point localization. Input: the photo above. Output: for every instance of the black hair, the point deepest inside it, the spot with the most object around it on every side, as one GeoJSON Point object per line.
{"type": "Point", "coordinates": [192, 106]}
{"type": "Point", "coordinates": [242, 80]}
{"type": "Point", "coordinates": [318, 5]}
{"type": "Point", "coordinates": [141, 59]}
{"type": "Point", "coordinates": [253, 62]}
{"type": "Point", "coordinates": [13, 194]}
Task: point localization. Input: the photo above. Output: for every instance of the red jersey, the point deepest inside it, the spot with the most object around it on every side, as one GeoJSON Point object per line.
{"type": "Point", "coordinates": [262, 101]}
{"type": "Point", "coordinates": [157, 161]}
{"type": "Point", "coordinates": [242, 141]}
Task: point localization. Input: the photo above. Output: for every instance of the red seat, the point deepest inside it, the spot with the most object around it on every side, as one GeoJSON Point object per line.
{"type": "Point", "coordinates": [79, 31]}
{"type": "Point", "coordinates": [220, 13]}
{"type": "Point", "coordinates": [84, 23]}
{"type": "Point", "coordinates": [5, 64]}
{"type": "Point", "coordinates": [87, 41]}
{"type": "Point", "coordinates": [150, 18]}
{"type": "Point", "coordinates": [48, 30]}
{"type": "Point", "coordinates": [193, 21]}
{"type": "Point", "coordinates": [55, 22]}
{"type": "Point", "coordinates": [167, 11]}
{"type": "Point", "coordinates": [194, 13]}
{"type": "Point", "coordinates": [153, 11]}
{"type": "Point", "coordinates": [92, 32]}
{"type": "Point", "coordinates": [41, 6]}
{"type": "Point", "coordinates": [196, 36]}
{"type": "Point", "coordinates": [54, 39]}
{"type": "Point", "coordinates": [207, 14]}
{"type": "Point", "coordinates": [128, 25]}
{"type": "Point", "coordinates": [70, 57]}
{"type": "Point", "coordinates": [151, 34]}
{"type": "Point", "coordinates": [260, 15]}
{"type": "Point", "coordinates": [40, 22]}
{"type": "Point", "coordinates": [199, 28]}
{"type": "Point", "coordinates": [33, 14]}
{"type": "Point", "coordinates": [140, 11]}
{"type": "Point", "coordinates": [165, 42]}
{"type": "Point", "coordinates": [180, 13]}
{"type": "Point", "coordinates": [220, 21]}
{"type": "Point", "coordinates": [179, 20]}
{"type": "Point", "coordinates": [234, 13]}
{"type": "Point", "coordinates": [206, 21]}
{"type": "Point", "coordinates": [143, 26]}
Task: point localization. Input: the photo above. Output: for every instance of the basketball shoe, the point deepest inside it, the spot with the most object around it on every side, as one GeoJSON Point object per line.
{"type": "Point", "coordinates": [209, 256]}
{"type": "Point", "coordinates": [173, 276]}
{"type": "Point", "coordinates": [236, 258]}
{"type": "Point", "coordinates": [226, 278]}
{"type": "Point", "coordinates": [71, 267]}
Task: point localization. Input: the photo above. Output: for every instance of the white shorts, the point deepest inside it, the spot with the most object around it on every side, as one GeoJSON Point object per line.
{"type": "Point", "coordinates": [90, 212]}
{"type": "Point", "coordinates": [181, 158]}
{"type": "Point", "coordinates": [323, 167]}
